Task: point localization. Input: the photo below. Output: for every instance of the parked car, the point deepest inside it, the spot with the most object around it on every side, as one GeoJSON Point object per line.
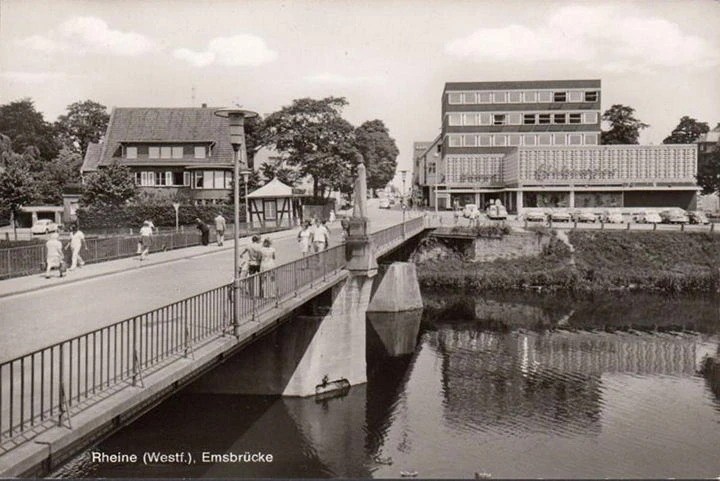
{"type": "Point", "coordinates": [469, 210]}
{"type": "Point", "coordinates": [697, 217]}
{"type": "Point", "coordinates": [535, 216]}
{"type": "Point", "coordinates": [496, 212]}
{"type": "Point", "coordinates": [44, 226]}
{"type": "Point", "coordinates": [648, 217]}
{"type": "Point", "coordinates": [674, 216]}
{"type": "Point", "coordinates": [612, 217]}
{"type": "Point", "coordinates": [560, 216]}
{"type": "Point", "coordinates": [584, 216]}
{"type": "Point", "coordinates": [384, 203]}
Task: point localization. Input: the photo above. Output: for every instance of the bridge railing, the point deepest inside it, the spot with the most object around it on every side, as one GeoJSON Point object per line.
{"type": "Point", "coordinates": [25, 260]}
{"type": "Point", "coordinates": [39, 389]}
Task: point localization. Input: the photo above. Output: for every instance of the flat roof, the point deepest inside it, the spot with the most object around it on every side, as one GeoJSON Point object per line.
{"type": "Point", "coordinates": [523, 84]}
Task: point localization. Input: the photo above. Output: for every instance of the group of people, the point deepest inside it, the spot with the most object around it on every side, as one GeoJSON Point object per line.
{"type": "Point", "coordinates": [55, 255]}
{"type": "Point", "coordinates": [313, 237]}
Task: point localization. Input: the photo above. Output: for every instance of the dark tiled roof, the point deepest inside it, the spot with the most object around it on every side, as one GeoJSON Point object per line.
{"type": "Point", "coordinates": [523, 84]}
{"type": "Point", "coordinates": [169, 125]}
{"type": "Point", "coordinates": [92, 157]}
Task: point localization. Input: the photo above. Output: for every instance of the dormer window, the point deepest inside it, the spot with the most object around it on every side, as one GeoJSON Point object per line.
{"type": "Point", "coordinates": [154, 152]}
{"type": "Point", "coordinates": [200, 152]}
{"type": "Point", "coordinates": [131, 152]}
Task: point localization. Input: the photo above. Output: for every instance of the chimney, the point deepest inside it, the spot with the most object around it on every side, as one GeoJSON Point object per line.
{"type": "Point", "coordinates": [204, 106]}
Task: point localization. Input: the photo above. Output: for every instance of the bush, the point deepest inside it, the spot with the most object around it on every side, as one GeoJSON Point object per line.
{"type": "Point", "coordinates": [162, 215]}
{"type": "Point", "coordinates": [484, 230]}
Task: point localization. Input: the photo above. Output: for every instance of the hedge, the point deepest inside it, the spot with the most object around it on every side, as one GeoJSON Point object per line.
{"type": "Point", "coordinates": [162, 215]}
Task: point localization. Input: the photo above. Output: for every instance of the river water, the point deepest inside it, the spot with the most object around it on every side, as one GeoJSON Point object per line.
{"type": "Point", "coordinates": [515, 386]}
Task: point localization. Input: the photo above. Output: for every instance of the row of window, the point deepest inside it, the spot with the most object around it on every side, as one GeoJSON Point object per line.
{"type": "Point", "coordinates": [166, 152]}
{"type": "Point", "coordinates": [515, 140]}
{"type": "Point", "coordinates": [523, 96]}
{"type": "Point", "coordinates": [201, 179]}
{"type": "Point", "coordinates": [521, 118]}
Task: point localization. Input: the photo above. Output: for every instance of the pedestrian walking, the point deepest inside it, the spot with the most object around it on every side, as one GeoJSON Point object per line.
{"type": "Point", "coordinates": [320, 236]}
{"type": "Point", "coordinates": [332, 216]}
{"type": "Point", "coordinates": [146, 232]}
{"type": "Point", "coordinates": [267, 263]}
{"type": "Point", "coordinates": [77, 242]}
{"type": "Point", "coordinates": [304, 238]}
{"type": "Point", "coordinates": [204, 231]}
{"type": "Point", "coordinates": [54, 258]}
{"type": "Point", "coordinates": [220, 229]}
{"type": "Point", "coordinates": [254, 259]}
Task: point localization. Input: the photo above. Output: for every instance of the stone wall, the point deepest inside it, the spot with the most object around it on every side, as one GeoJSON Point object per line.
{"type": "Point", "coordinates": [511, 246]}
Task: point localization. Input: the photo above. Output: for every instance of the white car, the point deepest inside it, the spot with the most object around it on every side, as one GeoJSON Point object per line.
{"type": "Point", "coordinates": [560, 216]}
{"type": "Point", "coordinates": [44, 226]}
{"type": "Point", "coordinates": [535, 216]}
{"type": "Point", "coordinates": [649, 218]}
{"type": "Point", "coordinates": [384, 203]}
{"type": "Point", "coordinates": [469, 211]}
{"type": "Point", "coordinates": [613, 218]}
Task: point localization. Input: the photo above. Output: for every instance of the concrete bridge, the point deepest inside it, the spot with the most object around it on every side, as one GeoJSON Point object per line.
{"type": "Point", "coordinates": [61, 398]}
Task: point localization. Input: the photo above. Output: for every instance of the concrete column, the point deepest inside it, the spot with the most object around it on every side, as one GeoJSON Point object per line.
{"type": "Point", "coordinates": [572, 199]}
{"type": "Point", "coordinates": [519, 200]}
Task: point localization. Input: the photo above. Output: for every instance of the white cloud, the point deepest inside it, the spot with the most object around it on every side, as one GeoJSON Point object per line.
{"type": "Point", "coordinates": [35, 77]}
{"type": "Point", "coordinates": [335, 79]}
{"type": "Point", "coordinates": [602, 36]}
{"type": "Point", "coordinates": [244, 50]}
{"type": "Point", "coordinates": [82, 35]}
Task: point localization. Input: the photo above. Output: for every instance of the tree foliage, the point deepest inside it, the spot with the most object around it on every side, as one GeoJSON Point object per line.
{"type": "Point", "coordinates": [624, 127]}
{"type": "Point", "coordinates": [84, 122]}
{"type": "Point", "coordinates": [27, 128]}
{"type": "Point", "coordinates": [316, 139]}
{"type": "Point", "coordinates": [708, 176]}
{"type": "Point", "coordinates": [17, 186]}
{"type": "Point", "coordinates": [687, 131]}
{"type": "Point", "coordinates": [113, 185]}
{"type": "Point", "coordinates": [56, 174]}
{"type": "Point", "coordinates": [379, 152]}
{"type": "Point", "coordinates": [277, 167]}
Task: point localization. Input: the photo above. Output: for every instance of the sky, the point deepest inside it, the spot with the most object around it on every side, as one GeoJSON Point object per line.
{"type": "Point", "coordinates": [389, 59]}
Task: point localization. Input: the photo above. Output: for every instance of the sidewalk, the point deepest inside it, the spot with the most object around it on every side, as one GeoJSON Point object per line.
{"type": "Point", "coordinates": [35, 282]}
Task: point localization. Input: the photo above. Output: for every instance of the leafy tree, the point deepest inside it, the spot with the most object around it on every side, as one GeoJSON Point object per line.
{"type": "Point", "coordinates": [276, 167]}
{"type": "Point", "coordinates": [56, 174]}
{"type": "Point", "coordinates": [27, 128]}
{"type": "Point", "coordinates": [708, 176]}
{"type": "Point", "coordinates": [17, 186]}
{"type": "Point", "coordinates": [113, 185]}
{"type": "Point", "coordinates": [316, 139]}
{"type": "Point", "coordinates": [256, 137]}
{"type": "Point", "coordinates": [624, 127]}
{"type": "Point", "coordinates": [687, 131]}
{"type": "Point", "coordinates": [84, 122]}
{"type": "Point", "coordinates": [379, 152]}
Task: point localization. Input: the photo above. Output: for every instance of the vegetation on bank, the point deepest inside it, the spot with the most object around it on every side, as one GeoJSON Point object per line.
{"type": "Point", "coordinates": [671, 262]}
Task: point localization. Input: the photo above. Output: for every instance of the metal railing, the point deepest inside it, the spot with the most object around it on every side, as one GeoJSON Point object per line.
{"type": "Point", "coordinates": [27, 260]}
{"type": "Point", "coordinates": [39, 389]}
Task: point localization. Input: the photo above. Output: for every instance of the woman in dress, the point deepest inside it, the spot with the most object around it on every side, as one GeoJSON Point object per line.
{"type": "Point", "coordinates": [267, 262]}
{"type": "Point", "coordinates": [304, 238]}
{"type": "Point", "coordinates": [145, 239]}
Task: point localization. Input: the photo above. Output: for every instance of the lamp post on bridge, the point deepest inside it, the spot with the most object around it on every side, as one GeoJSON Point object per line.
{"type": "Point", "coordinates": [246, 176]}
{"type": "Point", "coordinates": [403, 175]}
{"type": "Point", "coordinates": [236, 120]}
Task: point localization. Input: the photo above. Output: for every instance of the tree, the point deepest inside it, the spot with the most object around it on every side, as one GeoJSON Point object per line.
{"type": "Point", "coordinates": [113, 185]}
{"type": "Point", "coordinates": [687, 131]}
{"type": "Point", "coordinates": [17, 186]}
{"type": "Point", "coordinates": [56, 174]}
{"type": "Point", "coordinates": [624, 127]}
{"type": "Point", "coordinates": [379, 152]}
{"type": "Point", "coordinates": [27, 128]}
{"type": "Point", "coordinates": [708, 176]}
{"type": "Point", "coordinates": [84, 122]}
{"type": "Point", "coordinates": [315, 138]}
{"type": "Point", "coordinates": [276, 167]}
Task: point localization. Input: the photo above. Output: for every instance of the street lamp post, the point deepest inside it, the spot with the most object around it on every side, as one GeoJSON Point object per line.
{"type": "Point", "coordinates": [236, 120]}
{"type": "Point", "coordinates": [246, 176]}
{"type": "Point", "coordinates": [403, 174]}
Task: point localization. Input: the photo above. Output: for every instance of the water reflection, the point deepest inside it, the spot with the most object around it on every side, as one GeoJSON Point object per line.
{"type": "Point", "coordinates": [519, 387]}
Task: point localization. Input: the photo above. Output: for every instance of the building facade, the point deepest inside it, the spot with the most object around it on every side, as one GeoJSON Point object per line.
{"type": "Point", "coordinates": [536, 144]}
{"type": "Point", "coordinates": [183, 151]}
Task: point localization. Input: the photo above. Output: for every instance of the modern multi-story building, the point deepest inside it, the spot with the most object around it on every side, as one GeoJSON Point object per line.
{"type": "Point", "coordinates": [536, 144]}
{"type": "Point", "coordinates": [175, 150]}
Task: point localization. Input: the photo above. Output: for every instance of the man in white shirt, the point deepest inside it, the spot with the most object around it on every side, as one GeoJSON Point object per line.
{"type": "Point", "coordinates": [220, 229]}
{"type": "Point", "coordinates": [77, 242]}
{"type": "Point", "coordinates": [321, 236]}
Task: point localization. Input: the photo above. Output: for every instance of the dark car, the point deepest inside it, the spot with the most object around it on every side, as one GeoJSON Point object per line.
{"type": "Point", "coordinates": [697, 217]}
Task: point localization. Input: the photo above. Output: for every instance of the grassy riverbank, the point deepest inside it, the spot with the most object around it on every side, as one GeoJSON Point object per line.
{"type": "Point", "coordinates": [673, 262]}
